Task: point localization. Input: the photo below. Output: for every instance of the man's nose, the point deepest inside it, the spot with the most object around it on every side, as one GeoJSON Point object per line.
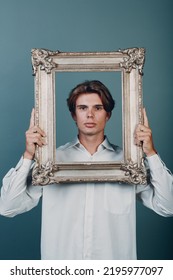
{"type": "Point", "coordinates": [90, 113]}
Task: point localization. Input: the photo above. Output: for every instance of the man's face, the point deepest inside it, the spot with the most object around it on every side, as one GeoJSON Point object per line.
{"type": "Point", "coordinates": [90, 116]}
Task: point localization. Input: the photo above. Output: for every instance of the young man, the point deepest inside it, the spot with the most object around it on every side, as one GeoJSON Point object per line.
{"type": "Point", "coordinates": [88, 220]}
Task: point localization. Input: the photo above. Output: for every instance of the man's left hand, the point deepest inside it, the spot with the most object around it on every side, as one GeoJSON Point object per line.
{"type": "Point", "coordinates": [143, 136]}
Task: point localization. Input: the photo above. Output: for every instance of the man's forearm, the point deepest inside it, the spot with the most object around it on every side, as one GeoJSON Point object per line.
{"type": "Point", "coordinates": [15, 197]}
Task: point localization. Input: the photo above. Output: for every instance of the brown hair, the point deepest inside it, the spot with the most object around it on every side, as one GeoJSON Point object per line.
{"type": "Point", "coordinates": [91, 87]}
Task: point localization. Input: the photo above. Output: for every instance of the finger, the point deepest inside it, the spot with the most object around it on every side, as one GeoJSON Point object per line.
{"type": "Point", "coordinates": [35, 132]}
{"type": "Point", "coordinates": [145, 118]}
{"type": "Point", "coordinates": [141, 127]}
{"type": "Point", "coordinates": [138, 128]}
{"type": "Point", "coordinates": [38, 130]}
{"type": "Point", "coordinates": [137, 141]}
{"type": "Point", "coordinates": [39, 142]}
{"type": "Point", "coordinates": [35, 138]}
{"type": "Point", "coordinates": [32, 119]}
{"type": "Point", "coordinates": [145, 138]}
{"type": "Point", "coordinates": [143, 134]}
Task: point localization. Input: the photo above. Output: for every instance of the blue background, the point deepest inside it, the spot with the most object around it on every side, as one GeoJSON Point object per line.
{"type": "Point", "coordinates": [80, 25]}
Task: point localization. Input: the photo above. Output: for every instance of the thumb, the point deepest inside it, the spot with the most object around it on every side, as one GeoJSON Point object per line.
{"type": "Point", "coordinates": [146, 123]}
{"type": "Point", "coordinates": [32, 119]}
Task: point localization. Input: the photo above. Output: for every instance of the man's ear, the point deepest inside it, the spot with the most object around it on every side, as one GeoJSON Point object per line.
{"type": "Point", "coordinates": [73, 116]}
{"type": "Point", "coordinates": [108, 115]}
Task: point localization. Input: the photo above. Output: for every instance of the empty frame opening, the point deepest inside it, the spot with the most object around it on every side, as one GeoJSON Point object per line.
{"type": "Point", "coordinates": [66, 129]}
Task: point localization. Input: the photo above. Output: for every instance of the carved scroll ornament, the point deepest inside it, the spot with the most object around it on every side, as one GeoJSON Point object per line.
{"type": "Point", "coordinates": [44, 59]}
{"type": "Point", "coordinates": [136, 58]}
{"type": "Point", "coordinates": [41, 175]}
{"type": "Point", "coordinates": [135, 174]}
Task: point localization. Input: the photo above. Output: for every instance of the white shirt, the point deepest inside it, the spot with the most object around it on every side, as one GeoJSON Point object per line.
{"type": "Point", "coordinates": [87, 220]}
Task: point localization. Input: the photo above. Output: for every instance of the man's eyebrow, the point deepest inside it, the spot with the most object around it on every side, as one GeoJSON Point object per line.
{"type": "Point", "coordinates": [98, 105]}
{"type": "Point", "coordinates": [81, 105]}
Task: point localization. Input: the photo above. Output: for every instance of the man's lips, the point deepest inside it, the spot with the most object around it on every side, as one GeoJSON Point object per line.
{"type": "Point", "coordinates": [90, 125]}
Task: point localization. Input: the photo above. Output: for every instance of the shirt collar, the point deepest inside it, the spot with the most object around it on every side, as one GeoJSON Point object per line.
{"type": "Point", "coordinates": [104, 145]}
{"type": "Point", "coordinates": [107, 145]}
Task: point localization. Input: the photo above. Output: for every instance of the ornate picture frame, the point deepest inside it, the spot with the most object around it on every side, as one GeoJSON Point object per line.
{"type": "Point", "coordinates": [129, 62]}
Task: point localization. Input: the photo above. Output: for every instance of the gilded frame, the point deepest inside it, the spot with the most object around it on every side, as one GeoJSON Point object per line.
{"type": "Point", "coordinates": [45, 64]}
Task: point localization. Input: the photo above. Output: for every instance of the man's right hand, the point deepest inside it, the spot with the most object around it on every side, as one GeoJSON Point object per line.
{"type": "Point", "coordinates": [34, 136]}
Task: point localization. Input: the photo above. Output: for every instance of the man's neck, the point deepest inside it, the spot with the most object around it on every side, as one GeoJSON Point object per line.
{"type": "Point", "coordinates": [91, 142]}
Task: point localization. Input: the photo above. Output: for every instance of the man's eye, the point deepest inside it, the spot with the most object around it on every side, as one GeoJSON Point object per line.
{"type": "Point", "coordinates": [98, 108]}
{"type": "Point", "coordinates": [82, 108]}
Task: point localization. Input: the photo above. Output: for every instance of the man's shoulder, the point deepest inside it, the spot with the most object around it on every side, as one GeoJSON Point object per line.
{"type": "Point", "coordinates": [67, 152]}
{"type": "Point", "coordinates": [108, 145]}
{"type": "Point", "coordinates": [69, 144]}
{"type": "Point", "coordinates": [65, 146]}
{"type": "Point", "coordinates": [116, 153]}
{"type": "Point", "coordinates": [116, 148]}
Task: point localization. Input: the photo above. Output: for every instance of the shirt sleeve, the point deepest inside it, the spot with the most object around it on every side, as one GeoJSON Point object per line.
{"type": "Point", "coordinates": [17, 193]}
{"type": "Point", "coordinates": [158, 193]}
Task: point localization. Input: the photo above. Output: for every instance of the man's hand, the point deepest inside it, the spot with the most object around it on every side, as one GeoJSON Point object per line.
{"type": "Point", "coordinates": [34, 136]}
{"type": "Point", "coordinates": [143, 136]}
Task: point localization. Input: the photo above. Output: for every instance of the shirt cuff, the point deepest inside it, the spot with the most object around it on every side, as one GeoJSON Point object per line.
{"type": "Point", "coordinates": [24, 165]}
{"type": "Point", "coordinates": [154, 162]}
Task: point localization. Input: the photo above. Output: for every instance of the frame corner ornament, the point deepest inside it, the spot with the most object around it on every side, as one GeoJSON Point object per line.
{"type": "Point", "coordinates": [41, 174]}
{"type": "Point", "coordinates": [136, 174]}
{"type": "Point", "coordinates": [136, 58]}
{"type": "Point", "coordinates": [44, 59]}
